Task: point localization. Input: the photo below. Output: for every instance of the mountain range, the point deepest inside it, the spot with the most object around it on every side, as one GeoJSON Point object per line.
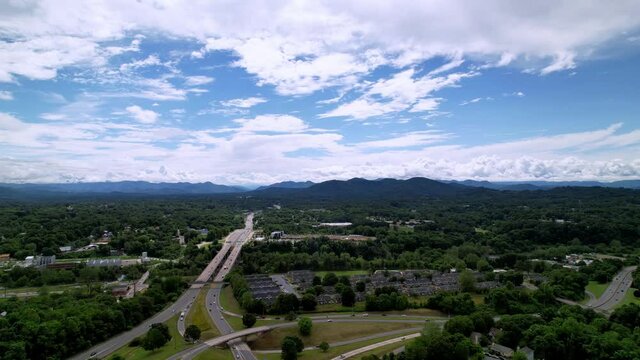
{"type": "Point", "coordinates": [353, 188]}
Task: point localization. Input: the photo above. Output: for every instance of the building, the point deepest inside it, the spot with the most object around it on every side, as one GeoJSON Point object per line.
{"type": "Point", "coordinates": [65, 249]}
{"type": "Point", "coordinates": [501, 350]}
{"type": "Point", "coordinates": [5, 257]}
{"type": "Point", "coordinates": [528, 352]}
{"type": "Point", "coordinates": [277, 234]}
{"type": "Point", "coordinates": [120, 290]}
{"type": "Point", "coordinates": [104, 262]}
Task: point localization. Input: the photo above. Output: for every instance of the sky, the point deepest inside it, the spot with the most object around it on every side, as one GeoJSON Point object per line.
{"type": "Point", "coordinates": [256, 92]}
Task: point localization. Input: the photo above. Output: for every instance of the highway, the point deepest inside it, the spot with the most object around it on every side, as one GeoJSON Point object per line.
{"type": "Point", "coordinates": [616, 290]}
{"type": "Point", "coordinates": [184, 301]}
{"type": "Point", "coordinates": [364, 349]}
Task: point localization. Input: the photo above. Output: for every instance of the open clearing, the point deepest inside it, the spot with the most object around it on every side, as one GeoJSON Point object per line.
{"type": "Point", "coordinates": [329, 332]}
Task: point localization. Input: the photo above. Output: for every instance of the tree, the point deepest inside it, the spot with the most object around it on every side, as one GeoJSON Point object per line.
{"type": "Point", "coordinates": [360, 286]}
{"type": "Point", "coordinates": [519, 355]}
{"type": "Point", "coordinates": [192, 333]}
{"type": "Point", "coordinates": [289, 351]}
{"type": "Point", "coordinates": [304, 326]}
{"type": "Point", "coordinates": [286, 303]}
{"type": "Point", "coordinates": [308, 302]}
{"type": "Point", "coordinates": [467, 281]}
{"type": "Point", "coordinates": [459, 325]}
{"type": "Point", "coordinates": [154, 340]}
{"type": "Point", "coordinates": [248, 320]}
{"type": "Point", "coordinates": [348, 296]}
{"type": "Point", "coordinates": [291, 346]}
{"type": "Point", "coordinates": [330, 279]}
{"type": "Point", "coordinates": [324, 346]}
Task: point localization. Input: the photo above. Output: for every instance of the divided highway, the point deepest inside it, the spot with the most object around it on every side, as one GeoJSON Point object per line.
{"type": "Point", "coordinates": [616, 290]}
{"type": "Point", "coordinates": [234, 240]}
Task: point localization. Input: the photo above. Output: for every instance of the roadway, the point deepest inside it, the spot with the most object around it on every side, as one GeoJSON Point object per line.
{"type": "Point", "coordinates": [238, 335]}
{"type": "Point", "coordinates": [364, 349]}
{"type": "Point", "coordinates": [182, 304]}
{"type": "Point", "coordinates": [616, 291]}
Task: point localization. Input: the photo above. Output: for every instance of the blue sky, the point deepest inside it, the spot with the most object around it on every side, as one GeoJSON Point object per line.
{"type": "Point", "coordinates": [258, 92]}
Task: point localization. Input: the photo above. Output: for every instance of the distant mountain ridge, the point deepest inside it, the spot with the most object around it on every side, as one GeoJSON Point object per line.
{"type": "Point", "coordinates": [130, 187]}
{"type": "Point", "coordinates": [289, 185]}
{"type": "Point", "coordinates": [359, 188]}
{"type": "Point", "coordinates": [545, 185]}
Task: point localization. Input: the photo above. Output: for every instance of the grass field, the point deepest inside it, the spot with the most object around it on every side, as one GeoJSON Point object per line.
{"type": "Point", "coordinates": [629, 299]}
{"type": "Point", "coordinates": [379, 352]}
{"type": "Point", "coordinates": [198, 316]}
{"type": "Point", "coordinates": [217, 354]}
{"type": "Point", "coordinates": [345, 272]}
{"type": "Point", "coordinates": [175, 345]}
{"type": "Point", "coordinates": [331, 353]}
{"type": "Point", "coordinates": [229, 302]}
{"type": "Point", "coordinates": [329, 332]}
{"type": "Point", "coordinates": [596, 288]}
{"type": "Point", "coordinates": [337, 308]}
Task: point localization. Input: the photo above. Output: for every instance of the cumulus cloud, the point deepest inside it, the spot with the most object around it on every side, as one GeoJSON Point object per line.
{"type": "Point", "coordinates": [198, 80]}
{"type": "Point", "coordinates": [273, 123]}
{"type": "Point", "coordinates": [141, 115]}
{"type": "Point", "coordinates": [243, 102]}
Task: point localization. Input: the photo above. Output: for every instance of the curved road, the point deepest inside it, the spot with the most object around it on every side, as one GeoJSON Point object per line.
{"type": "Point", "coordinates": [184, 301]}
{"type": "Point", "coordinates": [364, 349]}
{"type": "Point", "coordinates": [194, 351]}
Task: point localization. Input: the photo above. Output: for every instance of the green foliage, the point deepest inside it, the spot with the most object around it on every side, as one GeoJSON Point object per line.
{"type": "Point", "coordinates": [467, 281]}
{"type": "Point", "coordinates": [156, 337]}
{"type": "Point", "coordinates": [386, 302]}
{"type": "Point", "coordinates": [330, 279]}
{"type": "Point", "coordinates": [627, 315]}
{"type": "Point", "coordinates": [308, 302]}
{"type": "Point", "coordinates": [435, 344]}
{"type": "Point", "coordinates": [248, 320]}
{"type": "Point", "coordinates": [304, 326]}
{"type": "Point", "coordinates": [452, 303]}
{"type": "Point", "coordinates": [192, 333]}
{"type": "Point", "coordinates": [348, 296]}
{"type": "Point", "coordinates": [285, 303]}
{"type": "Point", "coordinates": [461, 324]}
{"type": "Point", "coordinates": [568, 284]}
{"type": "Point", "coordinates": [291, 346]}
{"type": "Point", "coordinates": [324, 346]}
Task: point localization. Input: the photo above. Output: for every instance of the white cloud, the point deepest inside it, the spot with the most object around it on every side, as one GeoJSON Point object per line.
{"type": "Point", "coordinates": [6, 95]}
{"type": "Point", "coordinates": [403, 91]}
{"type": "Point", "coordinates": [244, 103]}
{"type": "Point", "coordinates": [53, 116]}
{"type": "Point", "coordinates": [411, 139]}
{"type": "Point", "coordinates": [197, 80]}
{"type": "Point", "coordinates": [141, 115]}
{"type": "Point", "coordinates": [273, 123]}
{"type": "Point", "coordinates": [151, 60]}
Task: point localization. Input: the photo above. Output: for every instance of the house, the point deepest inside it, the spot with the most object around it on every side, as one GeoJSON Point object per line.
{"type": "Point", "coordinates": [501, 350]}
{"type": "Point", "coordinates": [65, 249]}
{"type": "Point", "coordinates": [277, 234]}
{"type": "Point", "coordinates": [5, 257]}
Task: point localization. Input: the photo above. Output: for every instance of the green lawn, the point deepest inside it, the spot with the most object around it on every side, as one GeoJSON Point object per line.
{"type": "Point", "coordinates": [379, 352]}
{"type": "Point", "coordinates": [217, 354]}
{"type": "Point", "coordinates": [337, 308]}
{"type": "Point", "coordinates": [329, 332]}
{"type": "Point", "coordinates": [236, 322]}
{"type": "Point", "coordinates": [175, 345]}
{"type": "Point", "coordinates": [596, 288]}
{"type": "Point", "coordinates": [344, 272]}
{"type": "Point", "coordinates": [629, 299]}
{"type": "Point", "coordinates": [229, 302]}
{"type": "Point", "coordinates": [331, 353]}
{"type": "Point", "coordinates": [198, 316]}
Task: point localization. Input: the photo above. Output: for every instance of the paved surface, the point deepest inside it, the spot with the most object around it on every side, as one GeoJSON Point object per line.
{"type": "Point", "coordinates": [375, 346]}
{"type": "Point", "coordinates": [227, 338]}
{"type": "Point", "coordinates": [184, 301]}
{"type": "Point", "coordinates": [138, 286]}
{"type": "Point", "coordinates": [616, 290]}
{"type": "Point", "coordinates": [118, 341]}
{"type": "Point", "coordinates": [352, 341]}
{"type": "Point", "coordinates": [284, 284]}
